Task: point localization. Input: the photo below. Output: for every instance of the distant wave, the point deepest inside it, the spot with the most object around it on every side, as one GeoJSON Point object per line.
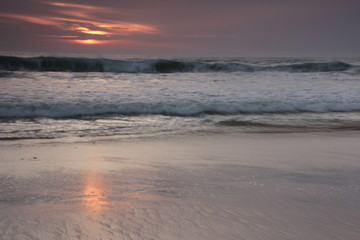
{"type": "Point", "coordinates": [171, 109]}
{"type": "Point", "coordinates": [65, 64]}
{"type": "Point", "coordinates": [241, 123]}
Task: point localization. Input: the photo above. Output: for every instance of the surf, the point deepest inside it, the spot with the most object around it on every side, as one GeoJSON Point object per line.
{"type": "Point", "coordinates": [70, 64]}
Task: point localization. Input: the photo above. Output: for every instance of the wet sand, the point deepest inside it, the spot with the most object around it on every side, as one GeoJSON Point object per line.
{"type": "Point", "coordinates": [220, 186]}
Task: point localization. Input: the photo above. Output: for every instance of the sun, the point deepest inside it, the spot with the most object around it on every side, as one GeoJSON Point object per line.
{"type": "Point", "coordinates": [90, 41]}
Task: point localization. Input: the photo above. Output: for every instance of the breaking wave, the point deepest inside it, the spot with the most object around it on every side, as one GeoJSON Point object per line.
{"type": "Point", "coordinates": [67, 64]}
{"type": "Point", "coordinates": [171, 109]}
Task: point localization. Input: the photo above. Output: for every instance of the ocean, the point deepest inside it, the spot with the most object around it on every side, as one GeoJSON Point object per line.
{"type": "Point", "coordinates": [57, 97]}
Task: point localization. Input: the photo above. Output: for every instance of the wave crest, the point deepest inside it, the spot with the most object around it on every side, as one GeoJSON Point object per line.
{"type": "Point", "coordinates": [180, 109]}
{"type": "Point", "coordinates": [66, 64]}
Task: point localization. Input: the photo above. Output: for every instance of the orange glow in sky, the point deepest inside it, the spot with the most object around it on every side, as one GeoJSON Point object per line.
{"type": "Point", "coordinates": [30, 19]}
{"type": "Point", "coordinates": [80, 22]}
{"type": "Point", "coordinates": [62, 23]}
{"type": "Point", "coordinates": [88, 31]}
{"type": "Point", "coordinates": [77, 6]}
{"type": "Point", "coordinates": [90, 41]}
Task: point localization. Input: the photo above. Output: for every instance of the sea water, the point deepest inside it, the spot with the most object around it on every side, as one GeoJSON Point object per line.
{"type": "Point", "coordinates": [57, 97]}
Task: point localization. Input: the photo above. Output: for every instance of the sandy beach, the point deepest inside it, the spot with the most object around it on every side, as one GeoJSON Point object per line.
{"type": "Point", "coordinates": [218, 186]}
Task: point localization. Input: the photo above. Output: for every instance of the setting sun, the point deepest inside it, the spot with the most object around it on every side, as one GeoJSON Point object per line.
{"type": "Point", "coordinates": [90, 41]}
{"type": "Point", "coordinates": [93, 32]}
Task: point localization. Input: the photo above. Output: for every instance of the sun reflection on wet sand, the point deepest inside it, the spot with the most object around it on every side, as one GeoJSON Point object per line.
{"type": "Point", "coordinates": [94, 192]}
{"type": "Point", "coordinates": [102, 190]}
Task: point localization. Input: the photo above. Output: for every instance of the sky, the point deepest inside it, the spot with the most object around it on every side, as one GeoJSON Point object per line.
{"type": "Point", "coordinates": [182, 27]}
